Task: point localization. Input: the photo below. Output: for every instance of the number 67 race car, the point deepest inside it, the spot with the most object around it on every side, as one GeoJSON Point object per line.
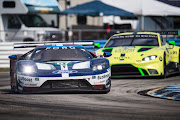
{"type": "Point", "coordinates": [59, 68]}
{"type": "Point", "coordinates": [141, 54]}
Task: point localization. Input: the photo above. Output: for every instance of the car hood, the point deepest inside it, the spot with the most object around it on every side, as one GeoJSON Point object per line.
{"type": "Point", "coordinates": [129, 54]}
{"type": "Point", "coordinates": [132, 49]}
{"type": "Point", "coordinates": [72, 68]}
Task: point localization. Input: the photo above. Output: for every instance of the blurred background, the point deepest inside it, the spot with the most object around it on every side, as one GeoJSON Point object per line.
{"type": "Point", "coordinates": [114, 16]}
{"type": "Point", "coordinates": [67, 20]}
{"type": "Point", "coordinates": [39, 21]}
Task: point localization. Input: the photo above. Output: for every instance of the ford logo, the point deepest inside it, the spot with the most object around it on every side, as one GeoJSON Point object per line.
{"type": "Point", "coordinates": [64, 71]}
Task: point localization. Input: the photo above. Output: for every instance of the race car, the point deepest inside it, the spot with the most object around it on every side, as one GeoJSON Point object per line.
{"type": "Point", "coordinates": [141, 54]}
{"type": "Point", "coordinates": [59, 68]}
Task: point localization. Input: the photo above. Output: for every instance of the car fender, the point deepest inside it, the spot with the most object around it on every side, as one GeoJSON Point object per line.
{"type": "Point", "coordinates": [175, 54]}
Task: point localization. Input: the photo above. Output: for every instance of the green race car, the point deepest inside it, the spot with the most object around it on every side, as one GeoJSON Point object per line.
{"type": "Point", "coordinates": [141, 54]}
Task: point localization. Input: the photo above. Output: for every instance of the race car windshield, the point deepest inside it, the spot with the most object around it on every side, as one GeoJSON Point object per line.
{"type": "Point", "coordinates": [60, 54]}
{"type": "Point", "coordinates": [133, 40]}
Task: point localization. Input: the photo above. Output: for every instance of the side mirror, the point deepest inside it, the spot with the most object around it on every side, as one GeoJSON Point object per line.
{"type": "Point", "coordinates": [13, 57]}
{"type": "Point", "coordinates": [107, 54]}
{"type": "Point", "coordinates": [171, 44]}
{"type": "Point", "coordinates": [96, 45]}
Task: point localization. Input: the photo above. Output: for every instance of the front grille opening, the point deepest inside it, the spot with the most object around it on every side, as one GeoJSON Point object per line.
{"type": "Point", "coordinates": [66, 84]}
{"type": "Point", "coordinates": [124, 70]}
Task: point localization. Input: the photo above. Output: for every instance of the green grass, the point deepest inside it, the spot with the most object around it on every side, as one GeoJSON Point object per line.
{"type": "Point", "coordinates": [4, 69]}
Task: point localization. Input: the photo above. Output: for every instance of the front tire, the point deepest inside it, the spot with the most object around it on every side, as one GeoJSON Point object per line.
{"type": "Point", "coordinates": [164, 68]}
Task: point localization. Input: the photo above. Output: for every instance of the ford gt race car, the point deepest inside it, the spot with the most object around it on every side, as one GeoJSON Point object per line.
{"type": "Point", "coordinates": [141, 54]}
{"type": "Point", "coordinates": [59, 68]}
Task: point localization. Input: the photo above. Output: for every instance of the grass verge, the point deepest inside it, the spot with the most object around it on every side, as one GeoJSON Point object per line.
{"type": "Point", "coordinates": [4, 69]}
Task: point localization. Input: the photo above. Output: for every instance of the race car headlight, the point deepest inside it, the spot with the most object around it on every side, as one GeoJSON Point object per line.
{"type": "Point", "coordinates": [152, 57]}
{"type": "Point", "coordinates": [100, 67]}
{"type": "Point", "coordinates": [82, 65]}
{"type": "Point", "coordinates": [42, 66]}
{"type": "Point", "coordinates": [28, 69]}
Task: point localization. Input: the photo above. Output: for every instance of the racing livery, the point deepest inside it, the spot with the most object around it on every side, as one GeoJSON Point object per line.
{"type": "Point", "coordinates": [59, 68]}
{"type": "Point", "coordinates": [141, 54]}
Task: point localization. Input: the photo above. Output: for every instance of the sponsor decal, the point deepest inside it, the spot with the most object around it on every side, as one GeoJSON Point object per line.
{"type": "Point", "coordinates": [57, 48]}
{"type": "Point", "coordinates": [30, 84]}
{"type": "Point", "coordinates": [160, 58]}
{"type": "Point", "coordinates": [138, 60]}
{"type": "Point", "coordinates": [99, 82]}
{"type": "Point", "coordinates": [119, 58]}
{"type": "Point", "coordinates": [24, 79]}
{"type": "Point", "coordinates": [93, 77]}
{"type": "Point", "coordinates": [134, 36]}
{"type": "Point", "coordinates": [103, 76]}
{"type": "Point", "coordinates": [124, 50]}
{"type": "Point", "coordinates": [36, 79]}
{"type": "Point", "coordinates": [174, 52]}
{"type": "Point", "coordinates": [63, 63]}
{"type": "Point", "coordinates": [64, 71]}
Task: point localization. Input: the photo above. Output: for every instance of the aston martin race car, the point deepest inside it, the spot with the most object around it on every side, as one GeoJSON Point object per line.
{"type": "Point", "coordinates": [141, 54]}
{"type": "Point", "coordinates": [59, 68]}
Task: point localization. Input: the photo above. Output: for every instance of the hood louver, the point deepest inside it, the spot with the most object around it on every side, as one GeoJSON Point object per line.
{"type": "Point", "coordinates": [144, 49]}
{"type": "Point", "coordinates": [107, 50]}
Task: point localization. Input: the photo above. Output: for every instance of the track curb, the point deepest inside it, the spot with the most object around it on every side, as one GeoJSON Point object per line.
{"type": "Point", "coordinates": [166, 92]}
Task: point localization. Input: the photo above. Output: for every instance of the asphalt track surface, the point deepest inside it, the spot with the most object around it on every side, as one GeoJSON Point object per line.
{"type": "Point", "coordinates": [121, 103]}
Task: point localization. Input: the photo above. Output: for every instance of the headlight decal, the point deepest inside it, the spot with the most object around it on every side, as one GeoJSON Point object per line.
{"type": "Point", "coordinates": [148, 58]}
{"type": "Point", "coordinates": [81, 65]}
{"type": "Point", "coordinates": [42, 66]}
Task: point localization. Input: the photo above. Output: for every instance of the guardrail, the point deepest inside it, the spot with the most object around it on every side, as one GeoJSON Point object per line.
{"type": "Point", "coordinates": [7, 49]}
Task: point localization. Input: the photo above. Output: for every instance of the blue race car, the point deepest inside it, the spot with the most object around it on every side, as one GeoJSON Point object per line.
{"type": "Point", "coordinates": [59, 68]}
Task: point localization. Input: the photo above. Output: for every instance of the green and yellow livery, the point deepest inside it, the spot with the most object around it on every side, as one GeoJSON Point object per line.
{"type": "Point", "coordinates": [141, 54]}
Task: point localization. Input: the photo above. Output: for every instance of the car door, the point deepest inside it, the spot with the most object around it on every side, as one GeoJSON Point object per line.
{"type": "Point", "coordinates": [166, 49]}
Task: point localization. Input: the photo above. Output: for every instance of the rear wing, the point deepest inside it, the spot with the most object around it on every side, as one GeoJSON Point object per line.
{"type": "Point", "coordinates": [87, 44]}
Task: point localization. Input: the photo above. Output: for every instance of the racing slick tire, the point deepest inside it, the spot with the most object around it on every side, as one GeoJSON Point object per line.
{"type": "Point", "coordinates": [179, 63]}
{"type": "Point", "coordinates": [164, 75]}
{"type": "Point", "coordinates": [14, 89]}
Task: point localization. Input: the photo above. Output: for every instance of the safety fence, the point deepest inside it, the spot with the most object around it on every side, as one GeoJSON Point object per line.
{"type": "Point", "coordinates": [7, 49]}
